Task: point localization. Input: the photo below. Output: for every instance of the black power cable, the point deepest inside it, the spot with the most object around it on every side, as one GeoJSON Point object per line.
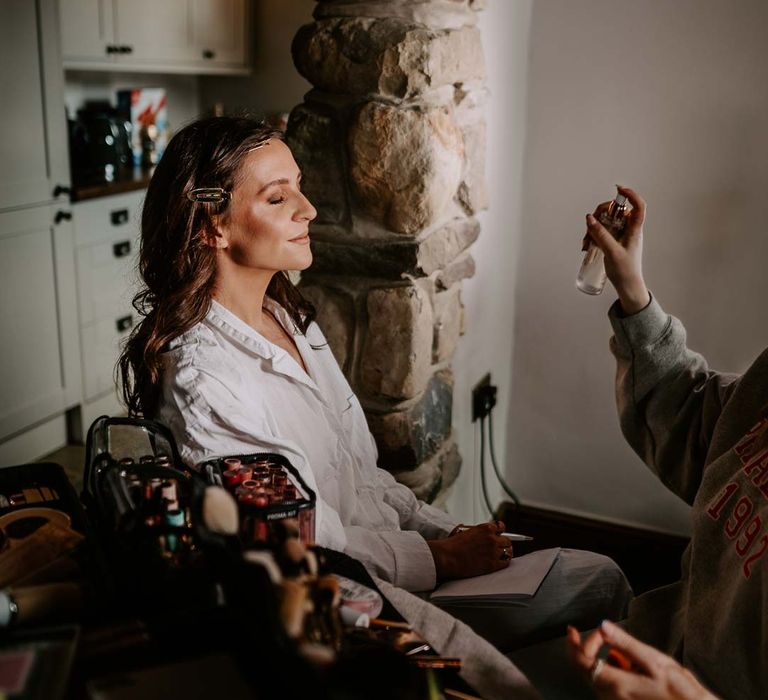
{"type": "Point", "coordinates": [503, 483]}
{"type": "Point", "coordinates": [483, 482]}
{"type": "Point", "coordinates": [482, 467]}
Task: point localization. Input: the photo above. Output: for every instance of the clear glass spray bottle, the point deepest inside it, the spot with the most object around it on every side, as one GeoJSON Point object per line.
{"type": "Point", "coordinates": [591, 277]}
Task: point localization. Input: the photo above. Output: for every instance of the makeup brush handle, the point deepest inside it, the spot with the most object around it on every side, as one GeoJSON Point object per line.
{"type": "Point", "coordinates": [57, 602]}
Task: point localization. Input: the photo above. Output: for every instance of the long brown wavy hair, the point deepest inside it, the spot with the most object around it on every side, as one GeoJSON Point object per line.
{"type": "Point", "coordinates": [177, 266]}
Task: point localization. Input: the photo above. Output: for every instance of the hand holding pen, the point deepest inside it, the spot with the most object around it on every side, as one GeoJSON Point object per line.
{"type": "Point", "coordinates": [511, 536]}
{"type": "Point", "coordinates": [472, 551]}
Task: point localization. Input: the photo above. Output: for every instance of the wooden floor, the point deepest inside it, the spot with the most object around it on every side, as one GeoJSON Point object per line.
{"type": "Point", "coordinates": [72, 458]}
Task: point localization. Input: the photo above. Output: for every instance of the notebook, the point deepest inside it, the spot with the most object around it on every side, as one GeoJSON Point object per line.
{"type": "Point", "coordinates": [513, 585]}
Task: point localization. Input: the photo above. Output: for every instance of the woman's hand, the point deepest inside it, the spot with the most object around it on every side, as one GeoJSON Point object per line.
{"type": "Point", "coordinates": [471, 551]}
{"type": "Point", "coordinates": [653, 675]}
{"type": "Point", "coordinates": [623, 258]}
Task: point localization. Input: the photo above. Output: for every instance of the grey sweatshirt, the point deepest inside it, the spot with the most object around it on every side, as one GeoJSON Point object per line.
{"type": "Point", "coordinates": [705, 435]}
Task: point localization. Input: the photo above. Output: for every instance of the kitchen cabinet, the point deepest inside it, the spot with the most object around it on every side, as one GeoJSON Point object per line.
{"type": "Point", "coordinates": [25, 175]}
{"type": "Point", "coordinates": [106, 234]}
{"type": "Point", "coordinates": [172, 36]}
{"type": "Point", "coordinates": [39, 353]}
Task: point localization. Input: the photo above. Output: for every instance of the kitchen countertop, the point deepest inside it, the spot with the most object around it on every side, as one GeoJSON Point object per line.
{"type": "Point", "coordinates": [137, 180]}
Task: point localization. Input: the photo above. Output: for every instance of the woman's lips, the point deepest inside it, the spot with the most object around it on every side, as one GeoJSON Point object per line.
{"type": "Point", "coordinates": [301, 240]}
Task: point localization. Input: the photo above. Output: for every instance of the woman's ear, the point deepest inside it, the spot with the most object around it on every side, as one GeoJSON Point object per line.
{"type": "Point", "coordinates": [215, 235]}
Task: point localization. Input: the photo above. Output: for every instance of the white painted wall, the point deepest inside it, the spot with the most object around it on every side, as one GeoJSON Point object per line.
{"type": "Point", "coordinates": [672, 98]}
{"type": "Point", "coordinates": [489, 297]}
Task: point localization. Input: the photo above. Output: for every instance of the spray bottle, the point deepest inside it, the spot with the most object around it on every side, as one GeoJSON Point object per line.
{"type": "Point", "coordinates": [591, 277]}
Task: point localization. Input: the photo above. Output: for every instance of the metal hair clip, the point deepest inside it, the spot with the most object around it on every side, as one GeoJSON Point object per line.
{"type": "Point", "coordinates": [259, 145]}
{"type": "Point", "coordinates": [208, 194]}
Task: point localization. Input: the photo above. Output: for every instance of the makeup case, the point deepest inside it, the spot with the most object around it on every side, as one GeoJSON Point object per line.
{"type": "Point", "coordinates": [146, 508]}
{"type": "Point", "coordinates": [270, 493]}
{"type": "Point", "coordinates": [39, 487]}
{"type": "Point", "coordinates": [34, 498]}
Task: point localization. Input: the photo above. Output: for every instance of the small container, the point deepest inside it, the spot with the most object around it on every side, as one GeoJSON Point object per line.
{"type": "Point", "coordinates": [246, 473]}
{"type": "Point", "coordinates": [306, 523]}
{"type": "Point", "coordinates": [246, 488]}
{"type": "Point", "coordinates": [232, 463]}
{"type": "Point", "coordinates": [275, 493]}
{"type": "Point", "coordinates": [231, 478]}
{"type": "Point", "coordinates": [290, 494]}
{"type": "Point", "coordinates": [169, 495]}
{"type": "Point", "coordinates": [591, 277]}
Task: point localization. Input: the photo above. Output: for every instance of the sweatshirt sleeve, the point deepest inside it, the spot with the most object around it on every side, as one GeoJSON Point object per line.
{"type": "Point", "coordinates": [668, 399]}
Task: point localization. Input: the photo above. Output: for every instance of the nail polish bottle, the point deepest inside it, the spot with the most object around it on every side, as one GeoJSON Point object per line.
{"type": "Point", "coordinates": [591, 277]}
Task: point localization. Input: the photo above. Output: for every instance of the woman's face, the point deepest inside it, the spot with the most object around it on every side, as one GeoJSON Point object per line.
{"type": "Point", "coordinates": [267, 225]}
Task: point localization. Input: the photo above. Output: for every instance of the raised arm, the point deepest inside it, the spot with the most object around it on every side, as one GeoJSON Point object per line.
{"type": "Point", "coordinates": [668, 399]}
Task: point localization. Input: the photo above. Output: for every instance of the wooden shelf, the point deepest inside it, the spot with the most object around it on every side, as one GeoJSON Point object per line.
{"type": "Point", "coordinates": [138, 180]}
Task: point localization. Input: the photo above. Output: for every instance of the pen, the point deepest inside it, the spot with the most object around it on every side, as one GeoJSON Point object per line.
{"type": "Point", "coordinates": [512, 536]}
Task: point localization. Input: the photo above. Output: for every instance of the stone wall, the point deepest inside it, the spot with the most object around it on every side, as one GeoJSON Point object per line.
{"type": "Point", "coordinates": [391, 142]}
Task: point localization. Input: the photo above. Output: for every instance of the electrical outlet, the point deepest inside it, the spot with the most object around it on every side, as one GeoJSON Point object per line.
{"type": "Point", "coordinates": [483, 398]}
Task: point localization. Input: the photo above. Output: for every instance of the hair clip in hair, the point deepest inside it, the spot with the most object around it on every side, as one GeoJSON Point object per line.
{"type": "Point", "coordinates": [208, 195]}
{"type": "Point", "coordinates": [259, 145]}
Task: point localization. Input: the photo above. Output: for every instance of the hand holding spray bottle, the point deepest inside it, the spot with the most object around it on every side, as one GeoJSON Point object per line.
{"type": "Point", "coordinates": [591, 277]}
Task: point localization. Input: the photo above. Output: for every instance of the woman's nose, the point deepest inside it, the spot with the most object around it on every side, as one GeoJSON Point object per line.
{"type": "Point", "coordinates": [305, 210]}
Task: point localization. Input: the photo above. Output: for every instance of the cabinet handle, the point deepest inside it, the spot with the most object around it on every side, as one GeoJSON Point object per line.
{"type": "Point", "coordinates": [60, 190]}
{"type": "Point", "coordinates": [62, 216]}
{"type": "Point", "coordinates": [111, 48]}
{"type": "Point", "coordinates": [124, 323]}
{"type": "Point", "coordinates": [121, 249]}
{"type": "Point", "coordinates": [125, 49]}
{"type": "Point", "coordinates": [209, 54]}
{"type": "Point", "coordinates": [118, 217]}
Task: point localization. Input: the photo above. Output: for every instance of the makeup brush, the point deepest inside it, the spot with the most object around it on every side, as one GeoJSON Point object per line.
{"type": "Point", "coordinates": [220, 511]}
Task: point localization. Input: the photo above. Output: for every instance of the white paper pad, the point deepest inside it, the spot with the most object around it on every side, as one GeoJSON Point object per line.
{"type": "Point", "coordinates": [518, 582]}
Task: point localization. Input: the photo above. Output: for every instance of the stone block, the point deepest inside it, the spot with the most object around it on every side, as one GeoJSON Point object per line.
{"type": "Point", "coordinates": [448, 313]}
{"type": "Point", "coordinates": [315, 138]}
{"type": "Point", "coordinates": [473, 189]}
{"type": "Point", "coordinates": [442, 14]}
{"type": "Point", "coordinates": [461, 268]}
{"type": "Point", "coordinates": [387, 57]}
{"type": "Point", "coordinates": [397, 258]}
{"type": "Point", "coordinates": [336, 318]}
{"type": "Point", "coordinates": [470, 105]}
{"type": "Point", "coordinates": [406, 164]}
{"type": "Point", "coordinates": [406, 438]}
{"type": "Point", "coordinates": [450, 468]}
{"type": "Point", "coordinates": [397, 351]}
{"type": "Point", "coordinates": [363, 258]}
{"type": "Point", "coordinates": [432, 478]}
{"type": "Point", "coordinates": [443, 246]}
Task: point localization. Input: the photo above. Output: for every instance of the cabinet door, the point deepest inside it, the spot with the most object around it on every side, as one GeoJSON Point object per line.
{"type": "Point", "coordinates": [106, 278]}
{"type": "Point", "coordinates": [218, 31]}
{"type": "Point", "coordinates": [102, 345]}
{"type": "Point", "coordinates": [23, 166]}
{"type": "Point", "coordinates": [87, 31]}
{"type": "Point", "coordinates": [39, 368]}
{"type": "Point", "coordinates": [153, 31]}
